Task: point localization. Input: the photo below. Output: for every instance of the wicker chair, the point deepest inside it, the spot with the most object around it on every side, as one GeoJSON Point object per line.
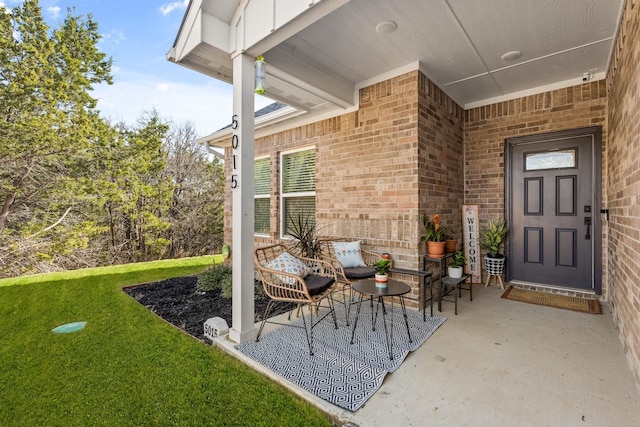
{"type": "Point", "coordinates": [280, 285]}
{"type": "Point", "coordinates": [346, 276]}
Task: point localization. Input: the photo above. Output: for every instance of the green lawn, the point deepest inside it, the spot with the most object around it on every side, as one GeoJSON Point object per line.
{"type": "Point", "coordinates": [127, 367]}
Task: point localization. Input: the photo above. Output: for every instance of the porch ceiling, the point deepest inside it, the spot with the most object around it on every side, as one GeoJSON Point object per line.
{"type": "Point", "coordinates": [458, 44]}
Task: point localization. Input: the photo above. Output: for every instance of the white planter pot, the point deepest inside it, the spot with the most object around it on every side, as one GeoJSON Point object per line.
{"type": "Point", "coordinates": [381, 280]}
{"type": "Point", "coordinates": [455, 272]}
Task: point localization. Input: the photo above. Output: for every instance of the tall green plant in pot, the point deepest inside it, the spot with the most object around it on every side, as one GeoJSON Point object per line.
{"type": "Point", "coordinates": [492, 239]}
{"type": "Point", "coordinates": [303, 228]}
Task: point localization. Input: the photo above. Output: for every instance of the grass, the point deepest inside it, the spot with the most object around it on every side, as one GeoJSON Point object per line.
{"type": "Point", "coordinates": [128, 367]}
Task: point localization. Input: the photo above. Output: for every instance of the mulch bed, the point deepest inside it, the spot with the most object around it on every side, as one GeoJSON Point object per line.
{"type": "Point", "coordinates": [181, 304]}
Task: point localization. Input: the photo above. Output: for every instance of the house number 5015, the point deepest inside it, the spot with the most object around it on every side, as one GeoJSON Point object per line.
{"type": "Point", "coordinates": [235, 143]}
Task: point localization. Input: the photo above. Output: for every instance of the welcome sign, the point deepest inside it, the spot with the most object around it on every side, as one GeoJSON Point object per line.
{"type": "Point", "coordinates": [471, 241]}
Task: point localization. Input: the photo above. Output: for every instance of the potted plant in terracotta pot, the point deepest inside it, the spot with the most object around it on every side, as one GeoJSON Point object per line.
{"type": "Point", "coordinates": [456, 267]}
{"type": "Point", "coordinates": [451, 244]}
{"type": "Point", "coordinates": [435, 236]}
{"type": "Point", "coordinates": [492, 239]}
{"type": "Point", "coordinates": [382, 267]}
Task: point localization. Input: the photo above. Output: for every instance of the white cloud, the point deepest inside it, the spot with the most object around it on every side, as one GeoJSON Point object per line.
{"type": "Point", "coordinates": [164, 87]}
{"type": "Point", "coordinates": [54, 11]}
{"type": "Point", "coordinates": [115, 36]}
{"type": "Point", "coordinates": [167, 8]}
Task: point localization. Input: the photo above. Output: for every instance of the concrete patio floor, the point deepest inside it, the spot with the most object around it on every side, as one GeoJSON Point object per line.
{"type": "Point", "coordinates": [502, 363]}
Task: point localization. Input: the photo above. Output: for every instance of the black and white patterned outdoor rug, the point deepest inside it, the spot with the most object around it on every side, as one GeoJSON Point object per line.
{"type": "Point", "coordinates": [339, 372]}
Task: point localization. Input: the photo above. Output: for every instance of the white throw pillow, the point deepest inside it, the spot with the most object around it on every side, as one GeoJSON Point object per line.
{"type": "Point", "coordinates": [287, 263]}
{"type": "Point", "coordinates": [349, 254]}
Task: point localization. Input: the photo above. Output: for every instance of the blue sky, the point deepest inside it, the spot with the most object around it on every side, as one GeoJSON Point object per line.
{"type": "Point", "coordinates": [137, 35]}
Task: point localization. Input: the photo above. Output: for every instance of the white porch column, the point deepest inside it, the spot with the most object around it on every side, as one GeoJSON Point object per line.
{"type": "Point", "coordinates": [242, 167]}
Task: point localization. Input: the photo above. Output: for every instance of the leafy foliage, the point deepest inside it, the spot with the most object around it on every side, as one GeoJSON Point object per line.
{"type": "Point", "coordinates": [49, 128]}
{"type": "Point", "coordinates": [219, 277]}
{"type": "Point", "coordinates": [304, 230]}
{"type": "Point", "coordinates": [382, 266]}
{"type": "Point", "coordinates": [458, 259]}
{"type": "Point", "coordinates": [75, 190]}
{"type": "Point", "coordinates": [138, 192]}
{"type": "Point", "coordinates": [434, 231]}
{"type": "Point", "coordinates": [216, 277]}
{"type": "Point", "coordinates": [492, 238]}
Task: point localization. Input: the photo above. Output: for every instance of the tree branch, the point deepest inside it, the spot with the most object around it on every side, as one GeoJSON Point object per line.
{"type": "Point", "coordinates": [52, 225]}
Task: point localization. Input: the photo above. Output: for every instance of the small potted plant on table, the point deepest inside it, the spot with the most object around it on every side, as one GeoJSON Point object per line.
{"type": "Point", "coordinates": [382, 267]}
{"type": "Point", "coordinates": [456, 267]}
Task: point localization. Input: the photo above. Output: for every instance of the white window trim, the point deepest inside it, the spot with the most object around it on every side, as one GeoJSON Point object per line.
{"type": "Point", "coordinates": [281, 220]}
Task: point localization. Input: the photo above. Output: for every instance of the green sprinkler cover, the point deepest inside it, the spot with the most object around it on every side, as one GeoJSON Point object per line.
{"type": "Point", "coordinates": [69, 327]}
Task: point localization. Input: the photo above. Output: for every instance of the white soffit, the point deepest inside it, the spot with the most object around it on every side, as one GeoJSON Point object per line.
{"type": "Point", "coordinates": [460, 44]}
{"type": "Point", "coordinates": [322, 51]}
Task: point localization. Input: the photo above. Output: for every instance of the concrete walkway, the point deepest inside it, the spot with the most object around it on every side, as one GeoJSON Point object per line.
{"type": "Point", "coordinates": [503, 363]}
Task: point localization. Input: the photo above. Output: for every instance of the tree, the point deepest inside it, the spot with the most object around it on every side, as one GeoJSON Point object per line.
{"type": "Point", "coordinates": [135, 191]}
{"type": "Point", "coordinates": [49, 125]}
{"type": "Point", "coordinates": [197, 205]}
{"type": "Point", "coordinates": [76, 191]}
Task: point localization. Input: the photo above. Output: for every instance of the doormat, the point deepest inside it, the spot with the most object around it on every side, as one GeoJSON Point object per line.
{"type": "Point", "coordinates": [583, 305]}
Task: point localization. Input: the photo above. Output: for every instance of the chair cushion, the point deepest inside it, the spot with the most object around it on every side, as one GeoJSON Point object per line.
{"type": "Point", "coordinates": [349, 254]}
{"type": "Point", "coordinates": [317, 284]}
{"type": "Point", "coordinates": [359, 272]}
{"type": "Point", "coordinates": [287, 263]}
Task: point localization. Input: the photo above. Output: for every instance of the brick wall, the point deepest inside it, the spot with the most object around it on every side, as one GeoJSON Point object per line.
{"type": "Point", "coordinates": [367, 169]}
{"type": "Point", "coordinates": [379, 168]}
{"type": "Point", "coordinates": [372, 183]}
{"type": "Point", "coordinates": [366, 162]}
{"type": "Point", "coordinates": [441, 154]}
{"type": "Point", "coordinates": [623, 181]}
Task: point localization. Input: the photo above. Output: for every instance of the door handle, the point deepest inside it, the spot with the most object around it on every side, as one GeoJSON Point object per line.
{"type": "Point", "coordinates": [587, 222]}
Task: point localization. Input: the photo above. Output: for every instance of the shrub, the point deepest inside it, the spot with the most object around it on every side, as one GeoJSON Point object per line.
{"type": "Point", "coordinates": [218, 277]}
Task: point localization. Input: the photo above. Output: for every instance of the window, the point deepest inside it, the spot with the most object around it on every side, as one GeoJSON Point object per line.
{"type": "Point", "coordinates": [298, 180]}
{"type": "Point", "coordinates": [262, 197]}
{"type": "Point", "coordinates": [557, 159]}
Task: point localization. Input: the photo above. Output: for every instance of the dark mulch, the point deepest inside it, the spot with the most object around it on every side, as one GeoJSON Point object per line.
{"type": "Point", "coordinates": [181, 304]}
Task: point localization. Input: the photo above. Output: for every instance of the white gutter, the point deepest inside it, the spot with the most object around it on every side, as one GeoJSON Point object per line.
{"type": "Point", "coordinates": [214, 152]}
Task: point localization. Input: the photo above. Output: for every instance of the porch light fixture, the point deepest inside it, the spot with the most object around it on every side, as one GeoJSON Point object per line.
{"type": "Point", "coordinates": [260, 73]}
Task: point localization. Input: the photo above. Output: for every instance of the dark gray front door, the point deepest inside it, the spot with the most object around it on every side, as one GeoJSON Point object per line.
{"type": "Point", "coordinates": [554, 209]}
